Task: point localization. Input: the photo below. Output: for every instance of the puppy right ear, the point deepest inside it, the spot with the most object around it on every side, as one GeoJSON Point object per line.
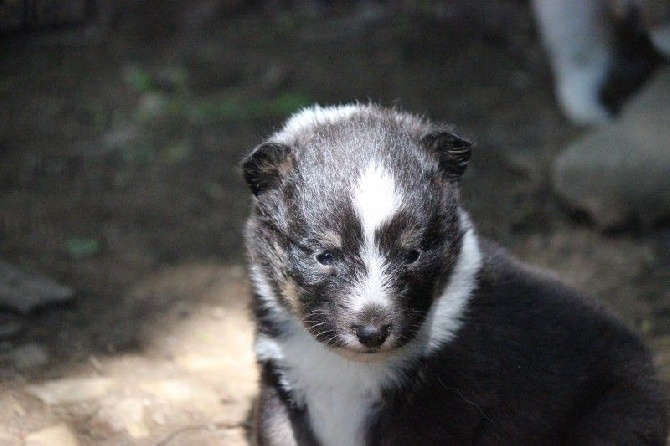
{"type": "Point", "coordinates": [453, 152]}
{"type": "Point", "coordinates": [264, 167]}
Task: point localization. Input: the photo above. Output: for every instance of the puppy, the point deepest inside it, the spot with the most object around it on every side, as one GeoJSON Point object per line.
{"type": "Point", "coordinates": [579, 36]}
{"type": "Point", "coordinates": [383, 319]}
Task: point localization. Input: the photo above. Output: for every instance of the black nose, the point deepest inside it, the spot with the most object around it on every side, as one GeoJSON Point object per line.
{"type": "Point", "coordinates": [372, 335]}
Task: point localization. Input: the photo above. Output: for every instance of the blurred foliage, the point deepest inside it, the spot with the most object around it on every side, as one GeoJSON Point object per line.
{"type": "Point", "coordinates": [81, 247]}
{"type": "Point", "coordinates": [167, 96]}
{"type": "Point", "coordinates": [167, 114]}
{"type": "Point", "coordinates": [139, 79]}
{"type": "Point", "coordinates": [237, 107]}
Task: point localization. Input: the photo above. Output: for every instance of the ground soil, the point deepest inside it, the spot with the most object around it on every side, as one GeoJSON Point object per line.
{"type": "Point", "coordinates": [119, 145]}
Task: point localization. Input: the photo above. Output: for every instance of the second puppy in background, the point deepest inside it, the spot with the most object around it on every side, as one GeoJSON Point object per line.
{"type": "Point", "coordinates": [579, 36]}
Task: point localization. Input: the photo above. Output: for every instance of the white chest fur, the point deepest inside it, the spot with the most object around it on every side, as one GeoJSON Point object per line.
{"type": "Point", "coordinates": [340, 394]}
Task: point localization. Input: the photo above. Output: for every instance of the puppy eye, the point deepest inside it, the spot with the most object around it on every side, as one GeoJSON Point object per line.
{"type": "Point", "coordinates": [326, 258]}
{"type": "Point", "coordinates": [411, 256]}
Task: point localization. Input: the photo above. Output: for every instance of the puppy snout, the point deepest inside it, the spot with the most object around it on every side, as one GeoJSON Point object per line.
{"type": "Point", "coordinates": [372, 334]}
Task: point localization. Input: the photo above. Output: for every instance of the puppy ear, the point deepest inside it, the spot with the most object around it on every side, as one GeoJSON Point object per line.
{"type": "Point", "coordinates": [264, 167]}
{"type": "Point", "coordinates": [452, 151]}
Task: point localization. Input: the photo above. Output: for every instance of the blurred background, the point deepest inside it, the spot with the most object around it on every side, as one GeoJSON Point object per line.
{"type": "Point", "coordinates": [123, 292]}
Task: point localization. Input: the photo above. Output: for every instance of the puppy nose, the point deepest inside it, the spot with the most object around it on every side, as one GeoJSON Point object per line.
{"type": "Point", "coordinates": [372, 335]}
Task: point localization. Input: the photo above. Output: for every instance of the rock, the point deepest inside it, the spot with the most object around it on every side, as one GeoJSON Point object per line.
{"type": "Point", "coordinates": [208, 436]}
{"type": "Point", "coordinates": [211, 341]}
{"type": "Point", "coordinates": [189, 396]}
{"type": "Point", "coordinates": [59, 435]}
{"type": "Point", "coordinates": [71, 390]}
{"type": "Point", "coordinates": [125, 415]}
{"type": "Point", "coordinates": [29, 356]}
{"type": "Point", "coordinates": [180, 390]}
{"type": "Point", "coordinates": [620, 173]}
{"type": "Point", "coordinates": [24, 291]}
{"type": "Point", "coordinates": [7, 439]}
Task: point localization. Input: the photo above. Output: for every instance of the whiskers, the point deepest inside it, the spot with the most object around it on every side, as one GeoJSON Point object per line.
{"type": "Point", "coordinates": [321, 329]}
{"type": "Point", "coordinates": [314, 314]}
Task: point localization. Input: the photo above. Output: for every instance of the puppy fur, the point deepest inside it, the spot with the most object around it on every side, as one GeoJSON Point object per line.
{"type": "Point", "coordinates": [579, 36]}
{"type": "Point", "coordinates": [383, 319]}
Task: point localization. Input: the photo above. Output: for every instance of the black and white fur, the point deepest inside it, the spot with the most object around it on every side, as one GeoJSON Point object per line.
{"type": "Point", "coordinates": [580, 38]}
{"type": "Point", "coordinates": [382, 319]}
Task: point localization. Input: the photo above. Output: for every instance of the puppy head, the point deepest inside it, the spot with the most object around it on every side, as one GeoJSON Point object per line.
{"type": "Point", "coordinates": [355, 223]}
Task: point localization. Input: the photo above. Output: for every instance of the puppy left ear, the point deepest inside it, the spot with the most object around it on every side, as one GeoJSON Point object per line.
{"type": "Point", "coordinates": [265, 166]}
{"type": "Point", "coordinates": [452, 151]}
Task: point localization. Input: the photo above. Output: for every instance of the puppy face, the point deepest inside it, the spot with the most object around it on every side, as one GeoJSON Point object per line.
{"type": "Point", "coordinates": [356, 227]}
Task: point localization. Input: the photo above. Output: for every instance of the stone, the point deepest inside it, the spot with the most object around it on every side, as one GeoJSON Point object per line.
{"type": "Point", "coordinates": [23, 291]}
{"type": "Point", "coordinates": [189, 395]}
{"type": "Point", "coordinates": [620, 173]}
{"type": "Point", "coordinates": [70, 390]}
{"type": "Point", "coordinates": [208, 436]}
{"type": "Point", "coordinates": [29, 356]}
{"type": "Point", "coordinates": [124, 415]}
{"type": "Point", "coordinates": [7, 439]}
{"type": "Point", "coordinates": [180, 390]}
{"type": "Point", "coordinates": [59, 435]}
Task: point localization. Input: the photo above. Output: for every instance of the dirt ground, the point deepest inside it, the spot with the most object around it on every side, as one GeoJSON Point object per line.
{"type": "Point", "coordinates": [119, 145]}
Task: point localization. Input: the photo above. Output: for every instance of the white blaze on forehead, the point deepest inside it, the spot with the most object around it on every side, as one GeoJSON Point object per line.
{"type": "Point", "coordinates": [371, 289]}
{"type": "Point", "coordinates": [376, 200]}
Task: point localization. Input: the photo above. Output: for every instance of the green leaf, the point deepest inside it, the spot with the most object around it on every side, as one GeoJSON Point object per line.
{"type": "Point", "coordinates": [81, 248]}
{"type": "Point", "coordinates": [139, 79]}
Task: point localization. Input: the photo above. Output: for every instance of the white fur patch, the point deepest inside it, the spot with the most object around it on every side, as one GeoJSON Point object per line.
{"type": "Point", "coordinates": [339, 392]}
{"type": "Point", "coordinates": [371, 289]}
{"type": "Point", "coordinates": [315, 115]}
{"type": "Point", "coordinates": [445, 316]}
{"type": "Point", "coordinates": [376, 199]}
